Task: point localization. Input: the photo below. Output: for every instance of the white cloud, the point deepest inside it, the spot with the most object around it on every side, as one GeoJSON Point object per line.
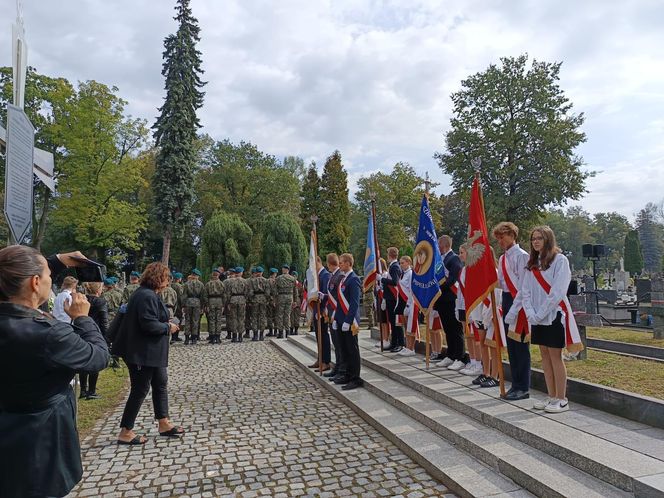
{"type": "Point", "coordinates": [372, 78]}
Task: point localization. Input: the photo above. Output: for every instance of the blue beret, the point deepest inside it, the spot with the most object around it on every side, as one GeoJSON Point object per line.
{"type": "Point", "coordinates": [196, 271]}
{"type": "Point", "coordinates": [109, 281]}
{"type": "Point", "coordinates": [259, 269]}
{"type": "Point", "coordinates": [285, 266]}
{"type": "Point", "coordinates": [239, 269]}
{"type": "Point", "coordinates": [115, 279]}
{"type": "Point", "coordinates": [215, 270]}
{"type": "Point", "coordinates": [179, 275]}
{"type": "Point", "coordinates": [135, 274]}
{"type": "Point", "coordinates": [294, 273]}
{"type": "Point", "coordinates": [274, 270]}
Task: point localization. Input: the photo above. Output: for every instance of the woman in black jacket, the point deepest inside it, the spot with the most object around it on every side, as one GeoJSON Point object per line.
{"type": "Point", "coordinates": [99, 313]}
{"type": "Point", "coordinates": [143, 344]}
{"type": "Point", "coordinates": [39, 356]}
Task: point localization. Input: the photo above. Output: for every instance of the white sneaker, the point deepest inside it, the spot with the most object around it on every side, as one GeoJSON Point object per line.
{"type": "Point", "coordinates": [472, 370]}
{"type": "Point", "coordinates": [557, 406]}
{"type": "Point", "coordinates": [406, 352]}
{"type": "Point", "coordinates": [446, 362]}
{"type": "Point", "coordinates": [543, 403]}
{"type": "Point", "coordinates": [456, 366]}
{"type": "Point", "coordinates": [466, 371]}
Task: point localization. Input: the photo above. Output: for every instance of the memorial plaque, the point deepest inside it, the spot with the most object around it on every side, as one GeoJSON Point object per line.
{"type": "Point", "coordinates": [18, 173]}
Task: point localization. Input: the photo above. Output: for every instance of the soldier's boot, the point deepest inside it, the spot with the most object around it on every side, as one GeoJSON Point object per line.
{"type": "Point", "coordinates": [228, 335]}
{"type": "Point", "coordinates": [295, 331]}
{"type": "Point", "coordinates": [239, 337]}
{"type": "Point", "coordinates": [210, 338]}
{"type": "Point", "coordinates": [246, 333]}
{"type": "Point", "coordinates": [194, 339]}
{"type": "Point", "coordinates": [260, 335]}
{"type": "Point", "coordinates": [280, 335]}
{"type": "Point", "coordinates": [186, 340]}
{"type": "Point", "coordinates": [269, 333]}
{"type": "Point", "coordinates": [233, 337]}
{"type": "Point", "coordinates": [254, 335]}
{"type": "Point", "coordinates": [218, 338]}
{"type": "Point", "coordinates": [286, 330]}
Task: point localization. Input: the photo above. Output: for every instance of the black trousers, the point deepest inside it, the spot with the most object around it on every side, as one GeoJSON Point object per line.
{"type": "Point", "coordinates": [351, 353]}
{"type": "Point", "coordinates": [88, 381]}
{"type": "Point", "coordinates": [142, 378]}
{"type": "Point", "coordinates": [398, 338]}
{"type": "Point", "coordinates": [452, 328]}
{"type": "Point", "coordinates": [339, 359]}
{"type": "Point", "coordinates": [325, 340]}
{"type": "Point", "coordinates": [519, 353]}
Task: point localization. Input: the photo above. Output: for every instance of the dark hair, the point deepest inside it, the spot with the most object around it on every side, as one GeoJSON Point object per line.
{"type": "Point", "coordinates": [154, 275]}
{"type": "Point", "coordinates": [549, 251]}
{"type": "Point", "coordinates": [17, 263]}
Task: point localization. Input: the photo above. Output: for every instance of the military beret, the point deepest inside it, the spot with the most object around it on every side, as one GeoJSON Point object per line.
{"type": "Point", "coordinates": [253, 269]}
{"type": "Point", "coordinates": [196, 271]}
{"type": "Point", "coordinates": [274, 270]}
{"type": "Point", "coordinates": [179, 275]}
{"type": "Point", "coordinates": [109, 281]}
{"type": "Point", "coordinates": [239, 269]}
{"type": "Point", "coordinates": [215, 270]}
{"type": "Point", "coordinates": [294, 273]}
{"type": "Point", "coordinates": [135, 274]}
{"type": "Point", "coordinates": [115, 279]}
{"type": "Point", "coordinates": [259, 269]}
{"type": "Point", "coordinates": [285, 266]}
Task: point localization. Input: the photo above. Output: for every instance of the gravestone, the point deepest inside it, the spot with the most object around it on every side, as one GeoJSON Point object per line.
{"type": "Point", "coordinates": [643, 288]}
{"type": "Point", "coordinates": [657, 307]}
{"type": "Point", "coordinates": [583, 307]}
{"type": "Point", "coordinates": [621, 278]}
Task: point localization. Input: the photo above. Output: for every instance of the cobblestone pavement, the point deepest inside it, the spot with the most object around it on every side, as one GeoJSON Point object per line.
{"type": "Point", "coordinates": [256, 427]}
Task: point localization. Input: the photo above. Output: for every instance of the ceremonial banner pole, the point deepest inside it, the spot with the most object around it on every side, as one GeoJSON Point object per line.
{"type": "Point", "coordinates": [319, 337]}
{"type": "Point", "coordinates": [378, 268]}
{"type": "Point", "coordinates": [427, 347]}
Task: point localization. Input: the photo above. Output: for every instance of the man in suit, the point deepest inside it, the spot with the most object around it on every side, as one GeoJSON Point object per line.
{"type": "Point", "coordinates": [446, 304]}
{"type": "Point", "coordinates": [393, 306]}
{"type": "Point", "coordinates": [326, 353]}
{"type": "Point", "coordinates": [347, 321]}
{"type": "Point", "coordinates": [332, 261]}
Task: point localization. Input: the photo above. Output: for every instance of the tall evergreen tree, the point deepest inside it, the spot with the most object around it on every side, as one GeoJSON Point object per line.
{"type": "Point", "coordinates": [633, 256]}
{"type": "Point", "coordinates": [177, 125]}
{"type": "Point", "coordinates": [334, 228]}
{"type": "Point", "coordinates": [310, 197]}
{"type": "Point", "coordinates": [651, 237]}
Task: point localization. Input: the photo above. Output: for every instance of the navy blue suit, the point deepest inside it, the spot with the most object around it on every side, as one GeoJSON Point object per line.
{"type": "Point", "coordinates": [391, 300]}
{"type": "Point", "coordinates": [445, 307]}
{"type": "Point", "coordinates": [351, 290]}
{"type": "Point", "coordinates": [323, 280]}
{"type": "Point", "coordinates": [331, 305]}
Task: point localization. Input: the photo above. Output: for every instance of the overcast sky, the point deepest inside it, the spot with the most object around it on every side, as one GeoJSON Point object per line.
{"type": "Point", "coordinates": [373, 78]}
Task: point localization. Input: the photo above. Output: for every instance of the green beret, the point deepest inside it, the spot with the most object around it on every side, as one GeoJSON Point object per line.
{"type": "Point", "coordinates": [179, 275]}
{"type": "Point", "coordinates": [239, 269]}
{"type": "Point", "coordinates": [109, 281]}
{"type": "Point", "coordinates": [196, 271]}
{"type": "Point", "coordinates": [274, 270]}
{"type": "Point", "coordinates": [135, 274]}
{"type": "Point", "coordinates": [215, 270]}
{"type": "Point", "coordinates": [259, 269]}
{"type": "Point", "coordinates": [285, 266]}
{"type": "Point", "coordinates": [294, 273]}
{"type": "Point", "coordinates": [253, 269]}
{"type": "Point", "coordinates": [115, 279]}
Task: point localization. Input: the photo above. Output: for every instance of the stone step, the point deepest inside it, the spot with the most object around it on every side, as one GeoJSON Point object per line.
{"type": "Point", "coordinates": [593, 442]}
{"type": "Point", "coordinates": [538, 472]}
{"type": "Point", "coordinates": [461, 473]}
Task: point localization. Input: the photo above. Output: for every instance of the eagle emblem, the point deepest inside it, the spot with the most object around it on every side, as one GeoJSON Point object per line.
{"type": "Point", "coordinates": [474, 252]}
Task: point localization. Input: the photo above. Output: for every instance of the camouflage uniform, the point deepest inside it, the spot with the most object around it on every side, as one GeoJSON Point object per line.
{"type": "Point", "coordinates": [259, 289]}
{"type": "Point", "coordinates": [286, 294]}
{"type": "Point", "coordinates": [128, 291]}
{"type": "Point", "coordinates": [170, 299]}
{"type": "Point", "coordinates": [235, 294]}
{"type": "Point", "coordinates": [114, 299]}
{"type": "Point", "coordinates": [193, 299]}
{"type": "Point", "coordinates": [296, 312]}
{"type": "Point", "coordinates": [215, 308]}
{"type": "Point", "coordinates": [270, 308]}
{"type": "Point", "coordinates": [178, 287]}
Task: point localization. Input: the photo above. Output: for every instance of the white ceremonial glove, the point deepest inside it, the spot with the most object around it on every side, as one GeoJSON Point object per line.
{"type": "Point", "coordinates": [345, 327]}
{"type": "Point", "coordinates": [383, 306]}
{"type": "Point", "coordinates": [406, 310]}
{"type": "Point", "coordinates": [321, 296]}
{"type": "Point", "coordinates": [334, 325]}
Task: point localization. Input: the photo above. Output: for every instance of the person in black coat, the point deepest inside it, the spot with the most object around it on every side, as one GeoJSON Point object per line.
{"type": "Point", "coordinates": [40, 453]}
{"type": "Point", "coordinates": [446, 303]}
{"type": "Point", "coordinates": [393, 305]}
{"type": "Point", "coordinates": [143, 343]}
{"type": "Point", "coordinates": [99, 313]}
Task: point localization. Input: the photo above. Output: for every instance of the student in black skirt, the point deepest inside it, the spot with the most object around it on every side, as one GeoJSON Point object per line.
{"type": "Point", "coordinates": [543, 292]}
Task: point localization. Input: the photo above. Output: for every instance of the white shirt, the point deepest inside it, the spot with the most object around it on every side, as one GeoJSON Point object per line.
{"type": "Point", "coordinates": [541, 308]}
{"type": "Point", "coordinates": [516, 260]}
{"type": "Point", "coordinates": [59, 306]}
{"type": "Point", "coordinates": [460, 301]}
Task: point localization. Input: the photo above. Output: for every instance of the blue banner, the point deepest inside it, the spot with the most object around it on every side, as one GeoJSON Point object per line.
{"type": "Point", "coordinates": [428, 268]}
{"type": "Point", "coordinates": [370, 269]}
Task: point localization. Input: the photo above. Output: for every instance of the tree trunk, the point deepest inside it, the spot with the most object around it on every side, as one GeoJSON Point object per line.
{"type": "Point", "coordinates": [166, 248]}
{"type": "Point", "coordinates": [41, 226]}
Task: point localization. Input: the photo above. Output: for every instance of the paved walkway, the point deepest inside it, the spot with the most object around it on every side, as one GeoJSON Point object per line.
{"type": "Point", "coordinates": [256, 427]}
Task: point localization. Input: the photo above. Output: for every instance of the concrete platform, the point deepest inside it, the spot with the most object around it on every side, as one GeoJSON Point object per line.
{"type": "Point", "coordinates": [583, 452]}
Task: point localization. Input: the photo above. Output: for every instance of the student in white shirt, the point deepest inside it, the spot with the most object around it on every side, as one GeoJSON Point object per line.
{"type": "Point", "coordinates": [411, 311]}
{"type": "Point", "coordinates": [544, 299]}
{"type": "Point", "coordinates": [68, 286]}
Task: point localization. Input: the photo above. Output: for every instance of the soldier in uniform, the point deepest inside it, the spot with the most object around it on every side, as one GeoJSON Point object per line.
{"type": "Point", "coordinates": [271, 301]}
{"type": "Point", "coordinates": [296, 312]}
{"type": "Point", "coordinates": [215, 306]}
{"type": "Point", "coordinates": [248, 308]}
{"type": "Point", "coordinates": [194, 300]}
{"type": "Point", "coordinates": [229, 275]}
{"type": "Point", "coordinates": [286, 294]}
{"type": "Point", "coordinates": [259, 286]}
{"type": "Point", "coordinates": [368, 300]}
{"type": "Point", "coordinates": [131, 286]}
{"type": "Point", "coordinates": [170, 298]}
{"type": "Point", "coordinates": [177, 286]}
{"type": "Point", "coordinates": [235, 294]}
{"type": "Point", "coordinates": [113, 297]}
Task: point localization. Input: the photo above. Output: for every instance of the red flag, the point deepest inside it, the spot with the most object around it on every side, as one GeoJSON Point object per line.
{"type": "Point", "coordinates": [481, 273]}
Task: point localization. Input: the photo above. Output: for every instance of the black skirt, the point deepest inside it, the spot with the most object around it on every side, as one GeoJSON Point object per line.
{"type": "Point", "coordinates": [552, 336]}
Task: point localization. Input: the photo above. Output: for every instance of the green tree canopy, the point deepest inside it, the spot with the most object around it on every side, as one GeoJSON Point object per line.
{"type": "Point", "coordinates": [177, 125]}
{"type": "Point", "coordinates": [573, 228]}
{"type": "Point", "coordinates": [651, 237]}
{"type": "Point", "coordinates": [225, 240]}
{"type": "Point", "coordinates": [283, 242]}
{"type": "Point", "coordinates": [334, 228]}
{"type": "Point", "coordinates": [518, 121]}
{"type": "Point", "coordinates": [633, 255]}
{"type": "Point", "coordinates": [610, 229]}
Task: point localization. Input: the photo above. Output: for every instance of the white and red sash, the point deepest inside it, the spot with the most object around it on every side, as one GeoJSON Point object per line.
{"type": "Point", "coordinates": [345, 307]}
{"type": "Point", "coordinates": [572, 338]}
{"type": "Point", "coordinates": [492, 339]}
{"type": "Point", "coordinates": [521, 327]}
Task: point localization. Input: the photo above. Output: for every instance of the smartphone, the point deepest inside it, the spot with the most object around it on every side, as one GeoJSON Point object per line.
{"type": "Point", "coordinates": [91, 272]}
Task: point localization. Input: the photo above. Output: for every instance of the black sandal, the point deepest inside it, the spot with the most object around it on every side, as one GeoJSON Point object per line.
{"type": "Point", "coordinates": [133, 442]}
{"type": "Point", "coordinates": [173, 432]}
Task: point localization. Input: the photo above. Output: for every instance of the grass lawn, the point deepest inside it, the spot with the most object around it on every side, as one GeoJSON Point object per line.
{"type": "Point", "coordinates": [112, 386]}
{"type": "Point", "coordinates": [629, 374]}
{"type": "Point", "coordinates": [624, 335]}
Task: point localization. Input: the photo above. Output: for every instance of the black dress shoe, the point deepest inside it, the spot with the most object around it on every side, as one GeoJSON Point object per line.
{"type": "Point", "coordinates": [395, 349]}
{"type": "Point", "coordinates": [353, 384]}
{"type": "Point", "coordinates": [331, 373]}
{"type": "Point", "coordinates": [342, 380]}
{"type": "Point", "coordinates": [516, 395]}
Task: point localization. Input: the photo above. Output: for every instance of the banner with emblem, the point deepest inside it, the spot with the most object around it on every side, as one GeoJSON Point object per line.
{"type": "Point", "coordinates": [481, 272]}
{"type": "Point", "coordinates": [428, 268]}
{"type": "Point", "coordinates": [370, 263]}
